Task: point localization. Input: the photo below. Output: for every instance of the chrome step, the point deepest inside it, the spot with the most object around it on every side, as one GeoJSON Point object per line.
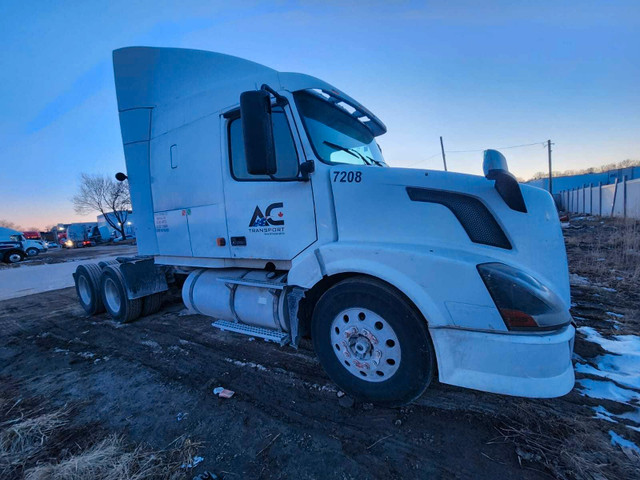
{"type": "Point", "coordinates": [282, 338]}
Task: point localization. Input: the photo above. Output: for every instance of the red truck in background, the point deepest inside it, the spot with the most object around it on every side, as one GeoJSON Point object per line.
{"type": "Point", "coordinates": [32, 235]}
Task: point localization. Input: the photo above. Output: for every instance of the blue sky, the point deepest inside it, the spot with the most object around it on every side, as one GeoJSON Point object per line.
{"type": "Point", "coordinates": [481, 74]}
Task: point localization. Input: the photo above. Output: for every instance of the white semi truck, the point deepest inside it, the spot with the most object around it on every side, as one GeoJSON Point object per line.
{"type": "Point", "coordinates": [268, 194]}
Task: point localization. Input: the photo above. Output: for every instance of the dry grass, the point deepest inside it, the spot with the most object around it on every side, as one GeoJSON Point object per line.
{"type": "Point", "coordinates": [38, 445]}
{"type": "Point", "coordinates": [112, 459]}
{"type": "Point", "coordinates": [568, 447]}
{"type": "Point", "coordinates": [23, 438]}
{"type": "Point", "coordinates": [608, 249]}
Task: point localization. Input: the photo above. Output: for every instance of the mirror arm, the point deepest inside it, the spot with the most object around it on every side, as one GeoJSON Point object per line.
{"type": "Point", "coordinates": [281, 101]}
{"type": "Point", "coordinates": [304, 170]}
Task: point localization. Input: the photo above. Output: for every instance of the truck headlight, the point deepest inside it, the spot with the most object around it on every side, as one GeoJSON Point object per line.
{"type": "Point", "coordinates": [523, 302]}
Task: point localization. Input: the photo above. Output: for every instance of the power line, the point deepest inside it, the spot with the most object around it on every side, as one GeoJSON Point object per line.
{"type": "Point", "coordinates": [423, 160]}
{"type": "Point", "coordinates": [543, 144]}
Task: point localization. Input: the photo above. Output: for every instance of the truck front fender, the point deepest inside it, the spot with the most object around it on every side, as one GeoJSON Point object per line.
{"type": "Point", "coordinates": [444, 285]}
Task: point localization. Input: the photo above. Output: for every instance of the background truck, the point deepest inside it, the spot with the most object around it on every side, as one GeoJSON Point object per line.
{"type": "Point", "coordinates": [22, 246]}
{"type": "Point", "coordinates": [264, 195]}
{"type": "Point", "coordinates": [80, 235]}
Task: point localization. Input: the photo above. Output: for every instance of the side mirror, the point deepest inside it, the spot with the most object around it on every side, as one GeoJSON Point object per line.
{"type": "Point", "coordinates": [121, 177]}
{"type": "Point", "coordinates": [495, 168]}
{"type": "Point", "coordinates": [259, 148]}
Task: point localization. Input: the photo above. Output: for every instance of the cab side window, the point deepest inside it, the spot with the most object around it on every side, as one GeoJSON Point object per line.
{"type": "Point", "coordinates": [286, 155]}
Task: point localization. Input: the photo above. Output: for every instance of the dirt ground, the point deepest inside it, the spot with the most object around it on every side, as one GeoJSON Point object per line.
{"type": "Point", "coordinates": [151, 382]}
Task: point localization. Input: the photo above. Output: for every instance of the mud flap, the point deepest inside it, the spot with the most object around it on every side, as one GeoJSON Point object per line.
{"type": "Point", "coordinates": [142, 278]}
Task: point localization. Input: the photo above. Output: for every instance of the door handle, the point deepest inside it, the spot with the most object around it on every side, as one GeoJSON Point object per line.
{"type": "Point", "coordinates": [238, 241]}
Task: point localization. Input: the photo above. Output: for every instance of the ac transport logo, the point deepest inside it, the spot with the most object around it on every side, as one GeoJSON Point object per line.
{"type": "Point", "coordinates": [269, 223]}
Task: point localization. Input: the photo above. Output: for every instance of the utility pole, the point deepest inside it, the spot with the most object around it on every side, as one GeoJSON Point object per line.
{"type": "Point", "coordinates": [550, 171]}
{"type": "Point", "coordinates": [444, 159]}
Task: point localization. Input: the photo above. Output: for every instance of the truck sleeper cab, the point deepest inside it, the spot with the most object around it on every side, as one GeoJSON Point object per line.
{"type": "Point", "coordinates": [269, 193]}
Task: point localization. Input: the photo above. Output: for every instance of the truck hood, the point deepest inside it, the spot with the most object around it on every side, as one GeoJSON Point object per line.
{"type": "Point", "coordinates": [451, 211]}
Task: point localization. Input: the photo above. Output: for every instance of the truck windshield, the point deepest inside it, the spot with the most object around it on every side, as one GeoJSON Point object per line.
{"type": "Point", "coordinates": [336, 136]}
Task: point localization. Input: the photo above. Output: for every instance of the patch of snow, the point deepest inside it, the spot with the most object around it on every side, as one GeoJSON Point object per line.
{"type": "Point", "coordinates": [607, 289]}
{"type": "Point", "coordinates": [628, 379]}
{"type": "Point", "coordinates": [633, 415]}
{"type": "Point", "coordinates": [624, 363]}
{"type": "Point", "coordinates": [622, 442]}
{"type": "Point", "coordinates": [193, 463]}
{"type": "Point", "coordinates": [575, 279]}
{"type": "Point", "coordinates": [152, 344]}
{"type": "Point", "coordinates": [577, 357]}
{"type": "Point", "coordinates": [606, 391]}
{"type": "Point", "coordinates": [616, 315]}
{"type": "Point", "coordinates": [181, 416]}
{"type": "Point", "coordinates": [238, 363]}
{"type": "Point", "coordinates": [603, 414]}
{"type": "Point", "coordinates": [621, 344]}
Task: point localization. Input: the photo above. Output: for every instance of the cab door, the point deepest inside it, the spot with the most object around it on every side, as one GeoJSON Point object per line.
{"type": "Point", "coordinates": [267, 218]}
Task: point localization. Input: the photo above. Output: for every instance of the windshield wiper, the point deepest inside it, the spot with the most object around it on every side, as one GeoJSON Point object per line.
{"type": "Point", "coordinates": [377, 162]}
{"type": "Point", "coordinates": [349, 151]}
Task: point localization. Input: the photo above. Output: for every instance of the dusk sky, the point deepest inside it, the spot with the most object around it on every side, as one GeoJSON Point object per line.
{"type": "Point", "coordinates": [481, 74]}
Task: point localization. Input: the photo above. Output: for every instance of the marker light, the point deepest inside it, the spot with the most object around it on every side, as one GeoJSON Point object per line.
{"type": "Point", "coordinates": [523, 302]}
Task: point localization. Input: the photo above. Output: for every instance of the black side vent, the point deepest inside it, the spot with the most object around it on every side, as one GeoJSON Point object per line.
{"type": "Point", "coordinates": [473, 215]}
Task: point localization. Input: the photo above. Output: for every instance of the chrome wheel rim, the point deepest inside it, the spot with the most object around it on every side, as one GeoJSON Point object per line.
{"type": "Point", "coordinates": [84, 290]}
{"type": "Point", "coordinates": [14, 258]}
{"type": "Point", "coordinates": [111, 295]}
{"type": "Point", "coordinates": [365, 344]}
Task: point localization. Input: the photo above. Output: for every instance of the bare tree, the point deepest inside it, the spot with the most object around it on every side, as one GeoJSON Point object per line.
{"type": "Point", "coordinates": [99, 193]}
{"type": "Point", "coordinates": [11, 225]}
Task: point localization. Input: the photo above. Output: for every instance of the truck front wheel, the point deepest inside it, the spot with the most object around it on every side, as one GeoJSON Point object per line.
{"type": "Point", "coordinates": [372, 342]}
{"type": "Point", "coordinates": [14, 256]}
{"type": "Point", "coordinates": [114, 296]}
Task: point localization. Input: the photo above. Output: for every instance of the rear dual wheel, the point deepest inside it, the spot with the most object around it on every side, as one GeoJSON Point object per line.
{"type": "Point", "coordinates": [114, 296]}
{"type": "Point", "coordinates": [102, 287]}
{"type": "Point", "coordinates": [372, 342]}
{"type": "Point", "coordinates": [87, 279]}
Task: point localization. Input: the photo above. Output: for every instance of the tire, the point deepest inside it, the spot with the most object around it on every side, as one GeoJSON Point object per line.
{"type": "Point", "coordinates": [389, 358]}
{"type": "Point", "coordinates": [32, 252]}
{"type": "Point", "coordinates": [114, 296]}
{"type": "Point", "coordinates": [14, 256]}
{"type": "Point", "coordinates": [151, 304]}
{"type": "Point", "coordinates": [106, 263]}
{"type": "Point", "coordinates": [87, 280]}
